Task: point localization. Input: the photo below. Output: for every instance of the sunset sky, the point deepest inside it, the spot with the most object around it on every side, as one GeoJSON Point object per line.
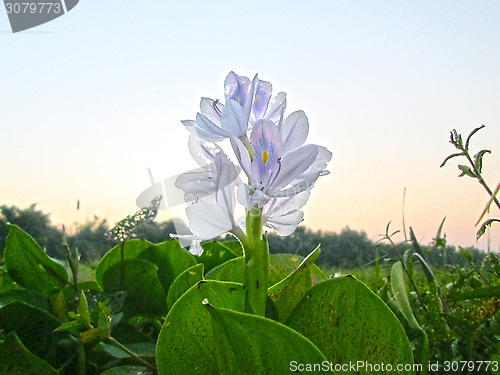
{"type": "Point", "coordinates": [91, 100]}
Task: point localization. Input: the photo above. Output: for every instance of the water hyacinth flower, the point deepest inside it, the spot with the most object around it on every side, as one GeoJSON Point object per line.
{"type": "Point", "coordinates": [279, 169]}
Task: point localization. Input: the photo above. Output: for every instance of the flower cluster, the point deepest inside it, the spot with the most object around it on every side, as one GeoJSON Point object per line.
{"type": "Point", "coordinates": [269, 149]}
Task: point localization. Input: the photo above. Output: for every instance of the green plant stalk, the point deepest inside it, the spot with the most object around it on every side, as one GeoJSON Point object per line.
{"type": "Point", "coordinates": [480, 179]}
{"type": "Point", "coordinates": [256, 269]}
{"type": "Point", "coordinates": [73, 266]}
{"type": "Point", "coordinates": [132, 354]}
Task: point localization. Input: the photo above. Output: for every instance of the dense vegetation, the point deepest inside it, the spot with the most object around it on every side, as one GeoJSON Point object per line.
{"type": "Point", "coordinates": [344, 251]}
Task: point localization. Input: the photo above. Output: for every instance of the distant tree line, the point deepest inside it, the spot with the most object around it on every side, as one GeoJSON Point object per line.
{"type": "Point", "coordinates": [346, 250]}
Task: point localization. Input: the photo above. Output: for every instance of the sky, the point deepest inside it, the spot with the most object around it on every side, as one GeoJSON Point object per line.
{"type": "Point", "coordinates": [93, 99]}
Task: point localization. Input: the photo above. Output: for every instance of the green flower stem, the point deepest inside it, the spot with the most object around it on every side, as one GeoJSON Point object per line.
{"type": "Point", "coordinates": [132, 354]}
{"type": "Point", "coordinates": [256, 270]}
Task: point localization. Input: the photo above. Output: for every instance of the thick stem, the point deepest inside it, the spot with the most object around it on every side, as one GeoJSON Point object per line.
{"type": "Point", "coordinates": [256, 271]}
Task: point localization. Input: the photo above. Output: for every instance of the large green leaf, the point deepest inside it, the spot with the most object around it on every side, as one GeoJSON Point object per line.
{"type": "Point", "coordinates": [131, 249]}
{"type": "Point", "coordinates": [288, 292]}
{"type": "Point", "coordinates": [170, 258]}
{"type": "Point", "coordinates": [138, 278]}
{"type": "Point", "coordinates": [34, 327]}
{"type": "Point", "coordinates": [235, 247]}
{"type": "Point", "coordinates": [15, 359]}
{"type": "Point", "coordinates": [30, 266]}
{"type": "Point", "coordinates": [86, 278]}
{"type": "Point", "coordinates": [280, 266]}
{"type": "Point", "coordinates": [6, 282]}
{"type": "Point", "coordinates": [232, 270]}
{"type": "Point", "coordinates": [199, 338]}
{"type": "Point", "coordinates": [27, 296]}
{"type": "Point", "coordinates": [215, 253]}
{"type": "Point", "coordinates": [184, 282]}
{"type": "Point", "coordinates": [348, 322]}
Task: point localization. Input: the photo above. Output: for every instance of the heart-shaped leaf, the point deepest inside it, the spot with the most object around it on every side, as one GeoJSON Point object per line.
{"type": "Point", "coordinates": [348, 322]}
{"type": "Point", "coordinates": [215, 253]}
{"type": "Point", "coordinates": [199, 338]}
{"type": "Point", "coordinates": [29, 266]}
{"type": "Point", "coordinates": [128, 250]}
{"type": "Point", "coordinates": [170, 258]}
{"type": "Point", "coordinates": [288, 292]}
{"type": "Point", "coordinates": [16, 359]}
{"type": "Point", "coordinates": [184, 282]}
{"type": "Point", "coordinates": [138, 278]}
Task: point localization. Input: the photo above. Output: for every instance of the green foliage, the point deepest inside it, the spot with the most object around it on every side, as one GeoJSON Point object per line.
{"type": "Point", "coordinates": [360, 325]}
{"type": "Point", "coordinates": [35, 223]}
{"type": "Point", "coordinates": [146, 308]}
{"type": "Point", "coordinates": [206, 333]}
{"type": "Point", "coordinates": [29, 266]}
{"type": "Point", "coordinates": [139, 280]}
{"type": "Point", "coordinates": [16, 359]}
{"type": "Point", "coordinates": [183, 282]}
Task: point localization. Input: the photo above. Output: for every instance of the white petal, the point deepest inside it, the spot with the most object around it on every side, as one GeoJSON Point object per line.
{"type": "Point", "coordinates": [196, 248]}
{"type": "Point", "coordinates": [303, 184]}
{"type": "Point", "coordinates": [276, 107]}
{"type": "Point", "coordinates": [294, 131]}
{"type": "Point", "coordinates": [262, 95]}
{"type": "Point", "coordinates": [234, 120]}
{"type": "Point", "coordinates": [324, 156]}
{"type": "Point", "coordinates": [211, 109]}
{"type": "Point", "coordinates": [240, 89]}
{"type": "Point", "coordinates": [286, 224]}
{"type": "Point", "coordinates": [284, 206]}
{"type": "Point", "coordinates": [242, 155]}
{"type": "Point", "coordinates": [225, 184]}
{"type": "Point", "coordinates": [202, 150]}
{"type": "Point", "coordinates": [209, 127]}
{"type": "Point", "coordinates": [208, 220]}
{"type": "Point", "coordinates": [293, 165]}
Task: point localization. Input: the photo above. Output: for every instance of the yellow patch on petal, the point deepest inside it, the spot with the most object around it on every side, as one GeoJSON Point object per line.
{"type": "Point", "coordinates": [237, 100]}
{"type": "Point", "coordinates": [265, 156]}
{"type": "Point", "coordinates": [257, 99]}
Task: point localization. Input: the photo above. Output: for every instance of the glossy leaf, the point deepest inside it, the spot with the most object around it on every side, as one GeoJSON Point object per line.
{"type": "Point", "coordinates": [183, 283]}
{"type": "Point", "coordinates": [234, 246]}
{"type": "Point", "coordinates": [30, 266]}
{"type": "Point", "coordinates": [138, 278]}
{"type": "Point", "coordinates": [288, 292]}
{"type": "Point", "coordinates": [170, 258]}
{"type": "Point", "coordinates": [214, 254]}
{"type": "Point", "coordinates": [199, 338]}
{"type": "Point", "coordinates": [348, 322]}
{"type": "Point", "coordinates": [280, 266]}
{"type": "Point", "coordinates": [16, 359]}
{"type": "Point", "coordinates": [131, 249]}
{"type": "Point", "coordinates": [400, 294]}
{"type": "Point", "coordinates": [232, 270]}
